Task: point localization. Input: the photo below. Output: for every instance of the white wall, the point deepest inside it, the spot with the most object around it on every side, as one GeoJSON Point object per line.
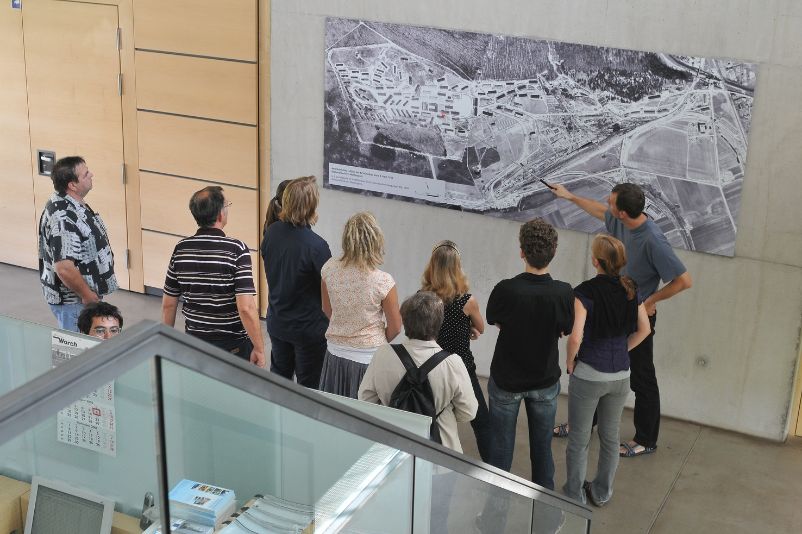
{"type": "Point", "coordinates": [743, 314]}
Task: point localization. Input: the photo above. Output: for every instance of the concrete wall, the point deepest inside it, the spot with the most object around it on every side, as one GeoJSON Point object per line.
{"type": "Point", "coordinates": [742, 317]}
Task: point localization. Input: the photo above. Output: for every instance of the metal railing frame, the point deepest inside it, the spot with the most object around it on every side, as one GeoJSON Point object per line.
{"type": "Point", "coordinates": [25, 407]}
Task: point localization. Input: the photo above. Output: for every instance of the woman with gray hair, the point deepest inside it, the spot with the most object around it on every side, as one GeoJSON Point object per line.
{"type": "Point", "coordinates": [422, 316]}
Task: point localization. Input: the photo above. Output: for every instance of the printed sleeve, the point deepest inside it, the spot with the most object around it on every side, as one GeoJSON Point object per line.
{"type": "Point", "coordinates": [665, 260]}
{"type": "Point", "coordinates": [326, 270]}
{"type": "Point", "coordinates": [383, 284]}
{"type": "Point", "coordinates": [171, 286]}
{"type": "Point", "coordinates": [243, 277]}
{"type": "Point", "coordinates": [65, 239]}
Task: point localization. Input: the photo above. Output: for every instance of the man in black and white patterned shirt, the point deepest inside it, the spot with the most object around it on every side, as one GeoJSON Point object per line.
{"type": "Point", "coordinates": [76, 264]}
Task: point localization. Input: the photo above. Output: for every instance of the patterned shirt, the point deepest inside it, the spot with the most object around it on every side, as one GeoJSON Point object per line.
{"type": "Point", "coordinates": [69, 230]}
{"type": "Point", "coordinates": [455, 334]}
{"type": "Point", "coordinates": [209, 270]}
{"type": "Point", "coordinates": [356, 295]}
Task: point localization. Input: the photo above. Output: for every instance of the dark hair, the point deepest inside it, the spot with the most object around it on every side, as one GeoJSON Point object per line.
{"type": "Point", "coordinates": [64, 173]}
{"type": "Point", "coordinates": [274, 207]}
{"type": "Point", "coordinates": [97, 309]}
{"type": "Point", "coordinates": [538, 242]}
{"type": "Point", "coordinates": [612, 257]}
{"type": "Point", "coordinates": [629, 199]}
{"type": "Point", "coordinates": [206, 204]}
{"type": "Point", "coordinates": [422, 315]}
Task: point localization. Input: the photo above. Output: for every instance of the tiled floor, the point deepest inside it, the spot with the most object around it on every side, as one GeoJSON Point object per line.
{"type": "Point", "coordinates": [701, 480]}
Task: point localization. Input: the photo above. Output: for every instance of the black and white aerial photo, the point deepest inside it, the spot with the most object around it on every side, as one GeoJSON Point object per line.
{"type": "Point", "coordinates": [474, 121]}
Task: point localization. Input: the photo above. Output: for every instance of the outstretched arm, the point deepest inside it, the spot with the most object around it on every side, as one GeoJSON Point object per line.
{"type": "Point", "coordinates": [592, 207]}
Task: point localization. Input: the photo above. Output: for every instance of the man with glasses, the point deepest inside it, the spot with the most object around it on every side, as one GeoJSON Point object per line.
{"type": "Point", "coordinates": [101, 320]}
{"type": "Point", "coordinates": [213, 274]}
{"type": "Point", "coordinates": [76, 264]}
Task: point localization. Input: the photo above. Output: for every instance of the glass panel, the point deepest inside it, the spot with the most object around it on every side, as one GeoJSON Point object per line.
{"type": "Point", "coordinates": [572, 524]}
{"type": "Point", "coordinates": [287, 468]}
{"type": "Point", "coordinates": [103, 443]}
{"type": "Point", "coordinates": [446, 501]}
{"type": "Point", "coordinates": [26, 350]}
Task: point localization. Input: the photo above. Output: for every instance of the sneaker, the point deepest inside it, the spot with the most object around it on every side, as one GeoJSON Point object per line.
{"type": "Point", "coordinates": [589, 494]}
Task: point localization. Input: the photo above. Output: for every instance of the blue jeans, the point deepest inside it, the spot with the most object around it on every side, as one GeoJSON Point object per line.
{"type": "Point", "coordinates": [541, 408]}
{"type": "Point", "coordinates": [67, 315]}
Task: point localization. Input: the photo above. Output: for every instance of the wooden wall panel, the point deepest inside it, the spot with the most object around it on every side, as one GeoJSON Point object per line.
{"type": "Point", "coordinates": [157, 249]}
{"type": "Point", "coordinates": [195, 148]}
{"type": "Point", "coordinates": [201, 27]}
{"type": "Point", "coordinates": [19, 242]}
{"type": "Point", "coordinates": [199, 87]}
{"type": "Point", "coordinates": [165, 207]}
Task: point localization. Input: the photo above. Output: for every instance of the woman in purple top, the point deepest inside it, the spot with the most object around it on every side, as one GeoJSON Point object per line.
{"type": "Point", "coordinates": [609, 321]}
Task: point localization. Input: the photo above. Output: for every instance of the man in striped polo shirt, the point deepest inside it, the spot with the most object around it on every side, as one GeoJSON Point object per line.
{"type": "Point", "coordinates": [213, 274]}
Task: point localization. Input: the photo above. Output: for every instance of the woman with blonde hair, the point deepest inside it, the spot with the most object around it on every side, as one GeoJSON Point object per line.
{"type": "Point", "coordinates": [462, 322]}
{"type": "Point", "coordinates": [293, 255]}
{"type": "Point", "coordinates": [361, 303]}
{"type": "Point", "coordinates": [609, 321]}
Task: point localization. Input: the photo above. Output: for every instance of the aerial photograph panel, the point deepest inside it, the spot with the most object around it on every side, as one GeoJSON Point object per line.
{"type": "Point", "coordinates": [474, 121]}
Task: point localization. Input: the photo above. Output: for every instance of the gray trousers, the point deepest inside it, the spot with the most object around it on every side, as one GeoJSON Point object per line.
{"type": "Point", "coordinates": [585, 397]}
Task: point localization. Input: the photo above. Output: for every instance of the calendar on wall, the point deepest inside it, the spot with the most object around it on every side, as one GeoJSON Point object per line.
{"type": "Point", "coordinates": [89, 422]}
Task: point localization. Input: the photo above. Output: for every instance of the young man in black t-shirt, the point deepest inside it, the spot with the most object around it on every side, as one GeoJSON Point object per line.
{"type": "Point", "coordinates": [532, 311]}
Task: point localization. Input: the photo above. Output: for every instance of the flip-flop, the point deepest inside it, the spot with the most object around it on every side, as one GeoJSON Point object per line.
{"type": "Point", "coordinates": [560, 431]}
{"type": "Point", "coordinates": [631, 452]}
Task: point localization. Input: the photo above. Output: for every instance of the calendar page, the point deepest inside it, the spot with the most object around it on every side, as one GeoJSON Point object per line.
{"type": "Point", "coordinates": [90, 422]}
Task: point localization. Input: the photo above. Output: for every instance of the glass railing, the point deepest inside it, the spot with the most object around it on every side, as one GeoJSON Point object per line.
{"type": "Point", "coordinates": [296, 460]}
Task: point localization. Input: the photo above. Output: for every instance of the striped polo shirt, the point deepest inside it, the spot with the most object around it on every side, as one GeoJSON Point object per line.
{"type": "Point", "coordinates": [209, 270]}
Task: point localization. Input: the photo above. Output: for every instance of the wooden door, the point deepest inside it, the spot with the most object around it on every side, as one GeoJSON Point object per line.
{"type": "Point", "coordinates": [16, 201]}
{"type": "Point", "coordinates": [73, 71]}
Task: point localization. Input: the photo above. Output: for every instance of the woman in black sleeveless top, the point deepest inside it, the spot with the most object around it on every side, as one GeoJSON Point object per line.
{"type": "Point", "coordinates": [462, 322]}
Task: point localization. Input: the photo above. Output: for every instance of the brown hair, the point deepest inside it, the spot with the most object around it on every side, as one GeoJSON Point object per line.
{"type": "Point", "coordinates": [274, 207]}
{"type": "Point", "coordinates": [299, 202]}
{"type": "Point", "coordinates": [363, 242]}
{"type": "Point", "coordinates": [538, 242]}
{"type": "Point", "coordinates": [612, 257]}
{"type": "Point", "coordinates": [443, 275]}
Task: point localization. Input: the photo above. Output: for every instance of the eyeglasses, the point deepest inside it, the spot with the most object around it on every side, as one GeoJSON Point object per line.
{"type": "Point", "coordinates": [227, 204]}
{"type": "Point", "coordinates": [102, 330]}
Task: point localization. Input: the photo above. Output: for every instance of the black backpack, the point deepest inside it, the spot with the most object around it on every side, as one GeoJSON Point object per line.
{"type": "Point", "coordinates": [414, 393]}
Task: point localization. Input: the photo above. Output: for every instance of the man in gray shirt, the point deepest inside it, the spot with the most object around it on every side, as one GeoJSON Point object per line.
{"type": "Point", "coordinates": [649, 259]}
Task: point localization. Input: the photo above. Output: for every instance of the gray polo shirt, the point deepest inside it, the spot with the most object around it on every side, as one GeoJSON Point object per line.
{"type": "Point", "coordinates": [649, 256]}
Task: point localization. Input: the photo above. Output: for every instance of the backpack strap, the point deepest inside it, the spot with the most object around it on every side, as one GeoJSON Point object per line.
{"type": "Point", "coordinates": [403, 355]}
{"type": "Point", "coordinates": [432, 362]}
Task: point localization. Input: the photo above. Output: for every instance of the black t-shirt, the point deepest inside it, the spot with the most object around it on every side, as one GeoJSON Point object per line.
{"type": "Point", "coordinates": [293, 257]}
{"type": "Point", "coordinates": [532, 311]}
